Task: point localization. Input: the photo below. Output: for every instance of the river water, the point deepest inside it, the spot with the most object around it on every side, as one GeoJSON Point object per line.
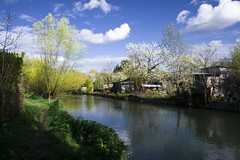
{"type": "Point", "coordinates": [152, 131]}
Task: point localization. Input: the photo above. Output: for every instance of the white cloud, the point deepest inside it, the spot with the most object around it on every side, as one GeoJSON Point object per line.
{"type": "Point", "coordinates": [216, 43]}
{"type": "Point", "coordinates": [57, 6]}
{"type": "Point", "coordinates": [223, 49]}
{"type": "Point", "coordinates": [101, 59]}
{"type": "Point", "coordinates": [66, 13]}
{"type": "Point", "coordinates": [117, 34]}
{"type": "Point", "coordinates": [194, 2]}
{"type": "Point", "coordinates": [181, 18]}
{"type": "Point", "coordinates": [92, 4]}
{"type": "Point", "coordinates": [77, 6]}
{"type": "Point", "coordinates": [26, 44]}
{"type": "Point", "coordinates": [238, 40]}
{"type": "Point", "coordinates": [98, 4]}
{"type": "Point", "coordinates": [26, 17]}
{"type": "Point", "coordinates": [98, 62]}
{"type": "Point", "coordinates": [210, 18]}
{"type": "Point", "coordinates": [26, 41]}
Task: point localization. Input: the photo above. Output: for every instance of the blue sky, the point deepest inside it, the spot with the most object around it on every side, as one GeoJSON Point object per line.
{"type": "Point", "coordinates": [106, 26]}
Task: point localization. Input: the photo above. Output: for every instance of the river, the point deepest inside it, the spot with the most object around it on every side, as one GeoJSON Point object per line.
{"type": "Point", "coordinates": [155, 132]}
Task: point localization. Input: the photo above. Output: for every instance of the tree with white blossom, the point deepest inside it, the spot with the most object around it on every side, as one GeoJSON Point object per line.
{"type": "Point", "coordinates": [204, 54]}
{"type": "Point", "coordinates": [177, 54]}
{"type": "Point", "coordinates": [145, 57]}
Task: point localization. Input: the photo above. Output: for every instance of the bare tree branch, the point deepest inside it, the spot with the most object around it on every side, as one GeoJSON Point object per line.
{"type": "Point", "coordinates": [10, 38]}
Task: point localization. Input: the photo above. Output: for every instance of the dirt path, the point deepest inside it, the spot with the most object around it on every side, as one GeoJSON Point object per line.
{"type": "Point", "coordinates": [36, 147]}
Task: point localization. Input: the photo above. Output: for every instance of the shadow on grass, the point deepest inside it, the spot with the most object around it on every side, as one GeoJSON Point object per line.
{"type": "Point", "coordinates": [17, 138]}
{"type": "Point", "coordinates": [41, 133]}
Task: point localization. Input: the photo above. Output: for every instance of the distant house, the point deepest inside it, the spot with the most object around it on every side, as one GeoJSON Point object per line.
{"type": "Point", "coordinates": [127, 86]}
{"type": "Point", "coordinates": [210, 79]}
{"type": "Point", "coordinates": [121, 86]}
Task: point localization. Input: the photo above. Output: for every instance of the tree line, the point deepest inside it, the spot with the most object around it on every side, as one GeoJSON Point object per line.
{"type": "Point", "coordinates": [171, 62]}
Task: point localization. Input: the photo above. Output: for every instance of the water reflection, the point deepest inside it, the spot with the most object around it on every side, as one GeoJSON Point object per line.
{"type": "Point", "coordinates": [72, 102]}
{"type": "Point", "coordinates": [155, 132]}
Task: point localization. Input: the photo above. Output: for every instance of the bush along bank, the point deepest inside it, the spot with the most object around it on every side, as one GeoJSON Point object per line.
{"type": "Point", "coordinates": [92, 140]}
{"type": "Point", "coordinates": [49, 132]}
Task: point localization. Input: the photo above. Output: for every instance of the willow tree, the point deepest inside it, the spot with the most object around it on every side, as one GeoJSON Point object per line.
{"type": "Point", "coordinates": [57, 41]}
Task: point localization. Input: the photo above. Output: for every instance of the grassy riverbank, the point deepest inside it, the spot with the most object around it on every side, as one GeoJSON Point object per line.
{"type": "Point", "coordinates": [45, 131]}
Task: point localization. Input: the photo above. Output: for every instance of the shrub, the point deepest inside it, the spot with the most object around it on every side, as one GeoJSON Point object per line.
{"type": "Point", "coordinates": [60, 122]}
{"type": "Point", "coordinates": [99, 141]}
{"type": "Point", "coordinates": [11, 92]}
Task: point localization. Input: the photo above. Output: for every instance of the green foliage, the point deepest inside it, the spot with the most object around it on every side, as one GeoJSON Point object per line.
{"type": "Point", "coordinates": [89, 85]}
{"type": "Point", "coordinates": [34, 79]}
{"type": "Point", "coordinates": [73, 81]}
{"type": "Point", "coordinates": [153, 95]}
{"type": "Point", "coordinates": [35, 100]}
{"type": "Point", "coordinates": [34, 113]}
{"type": "Point", "coordinates": [98, 84]}
{"type": "Point", "coordinates": [33, 76]}
{"type": "Point", "coordinates": [232, 81]}
{"type": "Point", "coordinates": [93, 140]}
{"type": "Point", "coordinates": [12, 65]}
{"type": "Point", "coordinates": [99, 140]}
{"type": "Point", "coordinates": [120, 67]}
{"type": "Point", "coordinates": [17, 134]}
{"type": "Point", "coordinates": [64, 138]}
{"type": "Point", "coordinates": [60, 122]}
{"type": "Point", "coordinates": [235, 59]}
{"type": "Point", "coordinates": [10, 78]}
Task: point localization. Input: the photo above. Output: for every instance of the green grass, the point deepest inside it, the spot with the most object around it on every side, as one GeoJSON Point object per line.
{"type": "Point", "coordinates": [35, 101]}
{"type": "Point", "coordinates": [17, 134]}
{"type": "Point", "coordinates": [44, 131]}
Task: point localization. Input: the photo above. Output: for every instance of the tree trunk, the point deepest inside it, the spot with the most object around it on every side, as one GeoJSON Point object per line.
{"type": "Point", "coordinates": [205, 97]}
{"type": "Point", "coordinates": [49, 97]}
